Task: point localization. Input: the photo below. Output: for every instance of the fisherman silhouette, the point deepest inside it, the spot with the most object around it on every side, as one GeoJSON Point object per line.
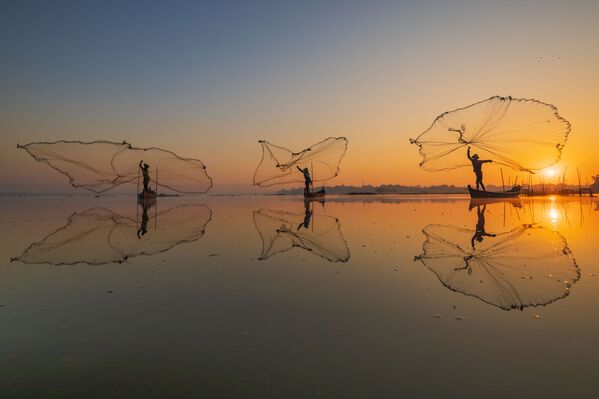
{"type": "Point", "coordinates": [307, 180]}
{"type": "Point", "coordinates": [480, 233]}
{"type": "Point", "coordinates": [477, 166]}
{"type": "Point", "coordinates": [307, 216]}
{"type": "Point", "coordinates": [143, 227]}
{"type": "Point", "coordinates": [145, 170]}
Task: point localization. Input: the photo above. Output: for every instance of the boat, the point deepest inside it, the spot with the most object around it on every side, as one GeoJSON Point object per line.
{"type": "Point", "coordinates": [146, 197]}
{"type": "Point", "coordinates": [320, 194]}
{"type": "Point", "coordinates": [514, 192]}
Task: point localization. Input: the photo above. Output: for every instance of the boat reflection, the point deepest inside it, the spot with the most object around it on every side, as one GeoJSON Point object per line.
{"type": "Point", "coordinates": [476, 202]}
{"type": "Point", "coordinates": [526, 266]}
{"type": "Point", "coordinates": [99, 235]}
{"type": "Point", "coordinates": [319, 234]}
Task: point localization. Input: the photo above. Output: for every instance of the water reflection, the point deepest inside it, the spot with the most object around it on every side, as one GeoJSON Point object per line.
{"type": "Point", "coordinates": [317, 233]}
{"type": "Point", "coordinates": [477, 202]}
{"type": "Point", "coordinates": [99, 235]}
{"type": "Point", "coordinates": [526, 266]}
{"type": "Point", "coordinates": [143, 226]}
{"type": "Point", "coordinates": [480, 232]}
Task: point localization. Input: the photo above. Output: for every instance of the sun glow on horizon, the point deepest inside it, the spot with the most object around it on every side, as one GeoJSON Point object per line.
{"type": "Point", "coordinates": [550, 172]}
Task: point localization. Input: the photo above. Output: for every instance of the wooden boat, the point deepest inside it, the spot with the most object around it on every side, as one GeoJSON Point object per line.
{"type": "Point", "coordinates": [146, 197]}
{"type": "Point", "coordinates": [513, 193]}
{"type": "Point", "coordinates": [320, 194]}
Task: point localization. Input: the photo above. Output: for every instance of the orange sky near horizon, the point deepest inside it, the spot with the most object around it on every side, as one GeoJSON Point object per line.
{"type": "Point", "coordinates": [378, 83]}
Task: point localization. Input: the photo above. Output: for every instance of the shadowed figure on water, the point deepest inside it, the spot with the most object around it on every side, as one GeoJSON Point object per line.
{"type": "Point", "coordinates": [143, 228]}
{"type": "Point", "coordinates": [145, 171]}
{"type": "Point", "coordinates": [480, 233]}
{"type": "Point", "coordinates": [307, 216]}
{"type": "Point", "coordinates": [307, 180]}
{"type": "Point", "coordinates": [477, 166]}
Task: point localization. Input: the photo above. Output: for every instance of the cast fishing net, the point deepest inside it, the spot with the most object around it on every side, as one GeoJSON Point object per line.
{"type": "Point", "coordinates": [523, 134]}
{"type": "Point", "coordinates": [279, 165]}
{"type": "Point", "coordinates": [100, 166]}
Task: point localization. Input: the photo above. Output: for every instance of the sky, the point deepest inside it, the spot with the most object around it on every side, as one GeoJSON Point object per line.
{"type": "Point", "coordinates": [208, 80]}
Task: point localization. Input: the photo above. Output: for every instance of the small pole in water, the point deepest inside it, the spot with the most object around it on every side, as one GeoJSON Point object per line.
{"type": "Point", "coordinates": [156, 204]}
{"type": "Point", "coordinates": [312, 214]}
{"type": "Point", "coordinates": [156, 180]}
{"type": "Point", "coordinates": [502, 182]}
{"type": "Point", "coordinates": [136, 207]}
{"type": "Point", "coordinates": [312, 173]}
{"type": "Point", "coordinates": [579, 185]}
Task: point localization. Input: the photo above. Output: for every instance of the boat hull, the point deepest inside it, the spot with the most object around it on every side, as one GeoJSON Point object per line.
{"type": "Point", "coordinates": [146, 197]}
{"type": "Point", "coordinates": [493, 194]}
{"type": "Point", "coordinates": [316, 195]}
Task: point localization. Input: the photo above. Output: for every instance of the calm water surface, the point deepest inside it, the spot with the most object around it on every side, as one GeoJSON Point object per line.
{"type": "Point", "coordinates": [359, 297]}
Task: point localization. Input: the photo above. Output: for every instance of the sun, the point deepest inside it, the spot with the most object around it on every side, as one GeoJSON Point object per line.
{"type": "Point", "coordinates": [550, 172]}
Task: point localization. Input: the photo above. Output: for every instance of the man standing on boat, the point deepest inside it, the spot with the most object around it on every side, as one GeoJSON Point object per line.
{"type": "Point", "coordinates": [307, 180]}
{"type": "Point", "coordinates": [145, 171]}
{"type": "Point", "coordinates": [477, 166]}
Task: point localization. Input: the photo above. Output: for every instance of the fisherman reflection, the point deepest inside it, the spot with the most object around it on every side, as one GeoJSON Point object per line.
{"type": "Point", "coordinates": [480, 233]}
{"type": "Point", "coordinates": [307, 216]}
{"type": "Point", "coordinates": [143, 227]}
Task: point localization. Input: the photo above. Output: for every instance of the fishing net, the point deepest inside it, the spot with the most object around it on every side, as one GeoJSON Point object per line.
{"type": "Point", "coordinates": [99, 166]}
{"type": "Point", "coordinates": [523, 134]}
{"type": "Point", "coordinates": [526, 266]}
{"type": "Point", "coordinates": [279, 165]}
{"type": "Point", "coordinates": [99, 236]}
{"type": "Point", "coordinates": [282, 231]}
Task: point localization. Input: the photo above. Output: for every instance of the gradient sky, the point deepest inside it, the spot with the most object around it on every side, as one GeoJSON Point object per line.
{"type": "Point", "coordinates": [209, 80]}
